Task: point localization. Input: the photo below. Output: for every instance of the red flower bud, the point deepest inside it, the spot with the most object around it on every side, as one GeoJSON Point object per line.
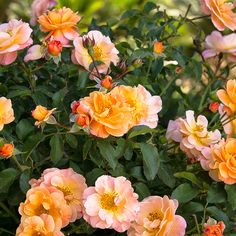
{"type": "Point", "coordinates": [213, 107]}
{"type": "Point", "coordinates": [74, 106]}
{"type": "Point", "coordinates": [54, 47]}
{"type": "Point", "coordinates": [7, 150]}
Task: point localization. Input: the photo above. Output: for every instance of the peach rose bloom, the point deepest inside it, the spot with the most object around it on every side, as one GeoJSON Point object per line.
{"type": "Point", "coordinates": [35, 52]}
{"type": "Point", "coordinates": [213, 228]}
{"type": "Point", "coordinates": [38, 225]}
{"type": "Point", "coordinates": [103, 50]}
{"type": "Point", "coordinates": [42, 200]}
{"type": "Point", "coordinates": [6, 112]}
{"type": "Point", "coordinates": [6, 150]}
{"type": "Point", "coordinates": [61, 24]}
{"type": "Point", "coordinates": [111, 204]}
{"type": "Point", "coordinates": [39, 7]}
{"type": "Point", "coordinates": [144, 106]}
{"type": "Point", "coordinates": [173, 133]}
{"type": "Point", "coordinates": [228, 95]}
{"type": "Point", "coordinates": [42, 115]}
{"type": "Point", "coordinates": [216, 43]}
{"type": "Point", "coordinates": [109, 115]}
{"type": "Point", "coordinates": [157, 217]}
{"type": "Point", "coordinates": [14, 36]}
{"type": "Point", "coordinates": [71, 184]}
{"type": "Point", "coordinates": [221, 12]}
{"type": "Point", "coordinates": [224, 168]}
{"type": "Point", "coordinates": [195, 134]}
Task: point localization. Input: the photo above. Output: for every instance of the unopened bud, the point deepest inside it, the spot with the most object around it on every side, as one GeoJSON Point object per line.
{"type": "Point", "coordinates": [83, 120]}
{"type": "Point", "coordinates": [158, 47]}
{"type": "Point", "coordinates": [178, 69]}
{"type": "Point", "coordinates": [213, 107]}
{"type": "Point", "coordinates": [107, 82]}
{"type": "Point", "coordinates": [74, 105]}
{"type": "Point", "coordinates": [7, 150]}
{"type": "Point", "coordinates": [88, 42]}
{"type": "Point", "coordinates": [54, 47]}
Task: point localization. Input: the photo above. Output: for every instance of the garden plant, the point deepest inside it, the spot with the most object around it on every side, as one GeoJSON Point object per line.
{"type": "Point", "coordinates": [118, 128]}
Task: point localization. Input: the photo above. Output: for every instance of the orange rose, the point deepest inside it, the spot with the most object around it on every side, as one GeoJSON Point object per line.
{"type": "Point", "coordinates": [46, 200]}
{"type": "Point", "coordinates": [42, 114]}
{"type": "Point", "coordinates": [224, 168]}
{"type": "Point", "coordinates": [6, 112]}
{"type": "Point", "coordinates": [228, 95]}
{"type": "Point", "coordinates": [109, 115]}
{"type": "Point", "coordinates": [60, 23]}
{"type": "Point", "coordinates": [6, 150]}
{"type": "Point", "coordinates": [212, 228]}
{"type": "Point", "coordinates": [38, 225]}
{"type": "Point", "coordinates": [144, 106]}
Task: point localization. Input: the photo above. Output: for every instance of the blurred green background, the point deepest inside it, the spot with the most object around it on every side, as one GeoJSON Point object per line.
{"type": "Point", "coordinates": [100, 9]}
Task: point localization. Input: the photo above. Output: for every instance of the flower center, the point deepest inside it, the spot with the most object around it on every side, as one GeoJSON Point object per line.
{"type": "Point", "coordinates": [199, 128]}
{"type": "Point", "coordinates": [107, 201]}
{"type": "Point", "coordinates": [155, 215]}
{"type": "Point", "coordinates": [40, 210]}
{"type": "Point", "coordinates": [97, 53]}
{"type": "Point", "coordinates": [65, 189]}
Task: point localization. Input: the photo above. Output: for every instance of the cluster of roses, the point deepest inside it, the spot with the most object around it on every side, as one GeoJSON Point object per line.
{"type": "Point", "coordinates": [216, 155]}
{"type": "Point", "coordinates": [59, 197]}
{"type": "Point", "coordinates": [223, 16]}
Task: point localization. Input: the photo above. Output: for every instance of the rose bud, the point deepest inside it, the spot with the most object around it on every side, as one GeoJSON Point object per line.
{"type": "Point", "coordinates": [83, 120]}
{"type": "Point", "coordinates": [54, 47]}
{"type": "Point", "coordinates": [158, 47]}
{"type": "Point", "coordinates": [7, 150]}
{"type": "Point", "coordinates": [213, 107]}
{"type": "Point", "coordinates": [107, 82]}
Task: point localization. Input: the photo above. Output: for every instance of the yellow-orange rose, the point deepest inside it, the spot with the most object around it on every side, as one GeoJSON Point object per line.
{"type": "Point", "coordinates": [42, 114]}
{"type": "Point", "coordinates": [60, 23]}
{"type": "Point", "coordinates": [224, 168]}
{"type": "Point", "coordinates": [109, 115]}
{"type": "Point", "coordinates": [6, 112]}
{"type": "Point", "coordinates": [228, 95]}
{"type": "Point", "coordinates": [46, 200]}
{"type": "Point", "coordinates": [38, 225]}
{"type": "Point", "coordinates": [143, 105]}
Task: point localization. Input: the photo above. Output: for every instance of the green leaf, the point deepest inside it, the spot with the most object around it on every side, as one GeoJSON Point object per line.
{"type": "Point", "coordinates": [24, 128]}
{"type": "Point", "coordinates": [142, 190]}
{"type": "Point", "coordinates": [7, 178]}
{"type": "Point", "coordinates": [31, 143]}
{"type": "Point", "coordinates": [193, 207]}
{"type": "Point", "coordinates": [150, 160]}
{"type": "Point", "coordinates": [57, 148]}
{"type": "Point", "coordinates": [218, 214]}
{"type": "Point", "coordinates": [165, 174]}
{"type": "Point", "coordinates": [149, 6]}
{"type": "Point", "coordinates": [231, 195]}
{"type": "Point", "coordinates": [139, 130]}
{"type": "Point", "coordinates": [108, 153]}
{"type": "Point", "coordinates": [130, 13]}
{"type": "Point", "coordinates": [189, 176]}
{"type": "Point", "coordinates": [86, 148]}
{"type": "Point", "coordinates": [72, 140]}
{"type": "Point", "coordinates": [24, 181]}
{"type": "Point", "coordinates": [184, 193]}
{"type": "Point", "coordinates": [216, 194]}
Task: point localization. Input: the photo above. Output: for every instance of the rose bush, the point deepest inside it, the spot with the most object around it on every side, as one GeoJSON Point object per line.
{"type": "Point", "coordinates": [118, 129]}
